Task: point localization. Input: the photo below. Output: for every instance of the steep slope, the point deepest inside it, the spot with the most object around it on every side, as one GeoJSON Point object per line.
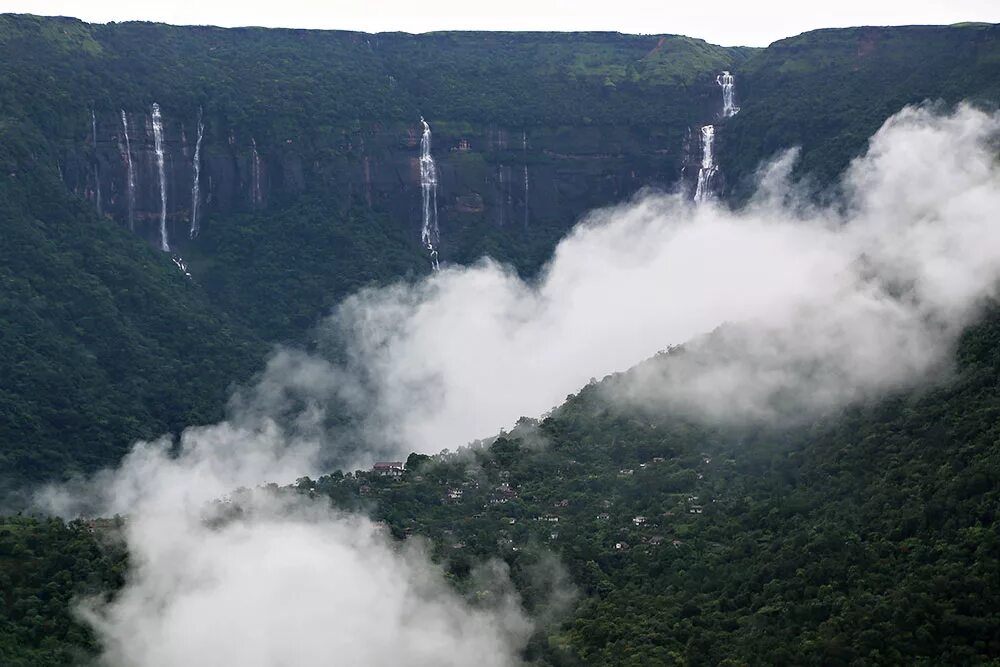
{"type": "Point", "coordinates": [869, 536]}
{"type": "Point", "coordinates": [309, 184]}
{"type": "Point", "coordinates": [306, 130]}
{"type": "Point", "coordinates": [307, 193]}
{"type": "Point", "coordinates": [310, 140]}
{"type": "Point", "coordinates": [102, 339]}
{"type": "Point", "coordinates": [827, 91]}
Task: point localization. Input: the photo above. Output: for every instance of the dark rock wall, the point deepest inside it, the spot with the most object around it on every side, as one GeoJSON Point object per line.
{"type": "Point", "coordinates": [481, 171]}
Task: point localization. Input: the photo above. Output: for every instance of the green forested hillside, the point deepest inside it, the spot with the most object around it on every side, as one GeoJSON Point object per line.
{"type": "Point", "coordinates": [45, 567]}
{"type": "Point", "coordinates": [827, 91]}
{"type": "Point", "coordinates": [867, 537]}
{"type": "Point", "coordinates": [102, 339]}
{"type": "Point", "coordinates": [273, 80]}
{"type": "Point", "coordinates": [591, 116]}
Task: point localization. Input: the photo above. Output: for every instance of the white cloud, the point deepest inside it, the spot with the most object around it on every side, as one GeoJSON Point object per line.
{"type": "Point", "coordinates": [824, 305]}
{"type": "Point", "coordinates": [293, 586]}
{"type": "Point", "coordinates": [820, 306]}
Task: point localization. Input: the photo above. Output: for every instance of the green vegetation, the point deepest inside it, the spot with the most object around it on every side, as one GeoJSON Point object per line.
{"type": "Point", "coordinates": [870, 536]}
{"type": "Point", "coordinates": [272, 82]}
{"type": "Point", "coordinates": [46, 566]}
{"type": "Point", "coordinates": [106, 342]}
{"type": "Point", "coordinates": [102, 340]}
{"type": "Point", "coordinates": [866, 537]}
{"type": "Point", "coordinates": [828, 91]}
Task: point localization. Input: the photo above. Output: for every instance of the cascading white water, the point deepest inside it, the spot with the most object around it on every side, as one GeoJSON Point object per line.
{"type": "Point", "coordinates": [97, 167]}
{"type": "Point", "coordinates": [158, 148]}
{"type": "Point", "coordinates": [524, 146]}
{"type": "Point", "coordinates": [703, 190]}
{"type": "Point", "coordinates": [196, 182]}
{"type": "Point", "coordinates": [727, 82]}
{"type": "Point", "coordinates": [429, 232]}
{"type": "Point", "coordinates": [181, 266]}
{"type": "Point", "coordinates": [255, 175]}
{"type": "Point", "coordinates": [130, 171]}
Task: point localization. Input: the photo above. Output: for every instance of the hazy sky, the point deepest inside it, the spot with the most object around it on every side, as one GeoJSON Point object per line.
{"type": "Point", "coordinates": [727, 22]}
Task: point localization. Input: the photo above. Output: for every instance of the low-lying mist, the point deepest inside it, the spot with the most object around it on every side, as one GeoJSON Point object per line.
{"type": "Point", "coordinates": [811, 307]}
{"type": "Point", "coordinates": [821, 304]}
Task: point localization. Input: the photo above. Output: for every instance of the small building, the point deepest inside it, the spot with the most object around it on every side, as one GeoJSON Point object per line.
{"type": "Point", "coordinates": [389, 468]}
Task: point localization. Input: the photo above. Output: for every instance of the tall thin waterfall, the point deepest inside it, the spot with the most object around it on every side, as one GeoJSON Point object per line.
{"type": "Point", "coordinates": [524, 146]}
{"type": "Point", "coordinates": [196, 181]}
{"type": "Point", "coordinates": [727, 82]}
{"type": "Point", "coordinates": [703, 191]}
{"type": "Point", "coordinates": [255, 175]}
{"type": "Point", "coordinates": [158, 147]}
{"type": "Point", "coordinates": [429, 232]}
{"type": "Point", "coordinates": [130, 171]}
{"type": "Point", "coordinates": [97, 164]}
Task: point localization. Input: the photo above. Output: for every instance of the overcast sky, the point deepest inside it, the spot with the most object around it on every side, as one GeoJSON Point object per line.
{"type": "Point", "coordinates": [728, 22]}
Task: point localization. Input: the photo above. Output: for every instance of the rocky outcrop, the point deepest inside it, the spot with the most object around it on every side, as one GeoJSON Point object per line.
{"type": "Point", "coordinates": [570, 170]}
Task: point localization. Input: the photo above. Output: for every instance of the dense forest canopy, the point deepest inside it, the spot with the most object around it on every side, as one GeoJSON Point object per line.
{"type": "Point", "coordinates": [601, 115]}
{"type": "Point", "coordinates": [866, 535]}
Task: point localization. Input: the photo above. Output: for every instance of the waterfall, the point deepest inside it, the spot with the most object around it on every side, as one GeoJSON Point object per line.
{"type": "Point", "coordinates": [703, 191]}
{"type": "Point", "coordinates": [429, 232]}
{"type": "Point", "coordinates": [158, 147]}
{"type": "Point", "coordinates": [255, 175]}
{"type": "Point", "coordinates": [131, 173]}
{"type": "Point", "coordinates": [196, 182]}
{"type": "Point", "coordinates": [726, 80]}
{"type": "Point", "coordinates": [524, 146]}
{"type": "Point", "coordinates": [181, 266]}
{"type": "Point", "coordinates": [97, 163]}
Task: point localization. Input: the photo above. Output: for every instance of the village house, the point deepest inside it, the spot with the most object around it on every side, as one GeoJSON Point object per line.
{"type": "Point", "coordinates": [388, 468]}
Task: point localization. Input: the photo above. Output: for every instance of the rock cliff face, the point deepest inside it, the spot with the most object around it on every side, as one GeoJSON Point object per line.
{"type": "Point", "coordinates": [505, 176]}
